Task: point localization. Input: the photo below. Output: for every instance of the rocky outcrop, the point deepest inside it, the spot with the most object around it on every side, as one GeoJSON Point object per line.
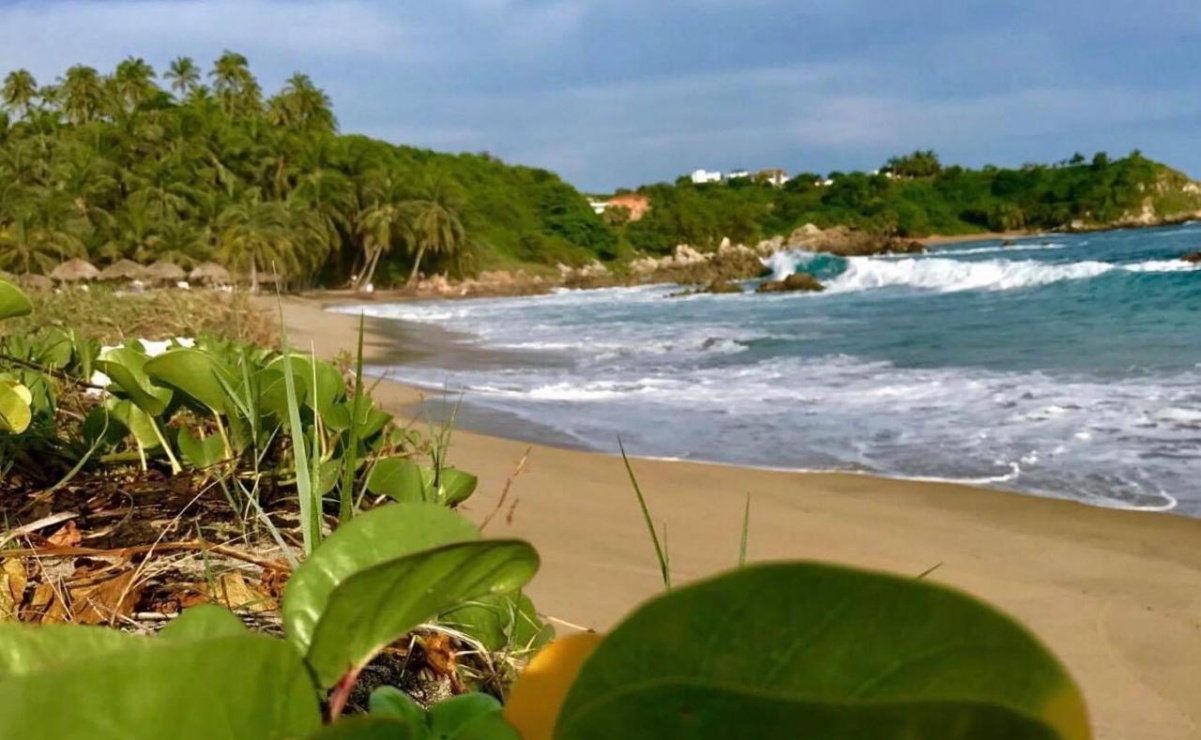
{"type": "Point", "coordinates": [717, 287]}
{"type": "Point", "coordinates": [1194, 257]}
{"type": "Point", "coordinates": [801, 281]}
{"type": "Point", "coordinates": [847, 242]}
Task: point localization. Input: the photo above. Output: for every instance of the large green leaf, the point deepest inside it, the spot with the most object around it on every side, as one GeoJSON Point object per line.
{"type": "Point", "coordinates": [330, 386]}
{"type": "Point", "coordinates": [203, 622]}
{"type": "Point", "coordinates": [194, 372]}
{"type": "Point", "coordinates": [377, 606]}
{"type": "Point", "coordinates": [246, 686]}
{"type": "Point", "coordinates": [137, 421]}
{"type": "Point", "coordinates": [15, 411]}
{"type": "Point", "coordinates": [126, 368]}
{"type": "Point", "coordinates": [26, 649]}
{"type": "Point", "coordinates": [200, 453]}
{"type": "Point", "coordinates": [375, 537]}
{"type": "Point", "coordinates": [400, 479]}
{"type": "Point", "coordinates": [767, 650]}
{"type": "Point", "coordinates": [13, 302]}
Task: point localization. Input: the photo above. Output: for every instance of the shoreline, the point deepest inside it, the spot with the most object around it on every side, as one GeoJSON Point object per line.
{"type": "Point", "coordinates": [1116, 594]}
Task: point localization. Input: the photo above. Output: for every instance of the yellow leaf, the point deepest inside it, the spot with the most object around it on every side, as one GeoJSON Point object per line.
{"type": "Point", "coordinates": [534, 703]}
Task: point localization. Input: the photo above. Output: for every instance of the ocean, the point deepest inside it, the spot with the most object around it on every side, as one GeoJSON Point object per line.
{"type": "Point", "coordinates": [1066, 366]}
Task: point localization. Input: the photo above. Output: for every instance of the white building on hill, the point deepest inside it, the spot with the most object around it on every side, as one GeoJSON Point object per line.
{"type": "Point", "coordinates": [700, 177]}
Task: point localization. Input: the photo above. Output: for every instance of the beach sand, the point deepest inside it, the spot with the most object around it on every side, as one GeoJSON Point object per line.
{"type": "Point", "coordinates": [1115, 594]}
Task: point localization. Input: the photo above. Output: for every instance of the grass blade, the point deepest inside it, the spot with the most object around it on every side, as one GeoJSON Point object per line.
{"type": "Point", "coordinates": [660, 552]}
{"type": "Point", "coordinates": [746, 526]}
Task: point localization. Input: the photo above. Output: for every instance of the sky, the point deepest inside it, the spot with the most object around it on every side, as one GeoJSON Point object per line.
{"type": "Point", "coordinates": [617, 93]}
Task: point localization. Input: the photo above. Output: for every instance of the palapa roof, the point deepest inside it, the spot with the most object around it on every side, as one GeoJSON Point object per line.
{"type": "Point", "coordinates": [123, 270]}
{"type": "Point", "coordinates": [210, 272]}
{"type": "Point", "coordinates": [166, 271]}
{"type": "Point", "coordinates": [75, 269]}
{"type": "Point", "coordinates": [35, 282]}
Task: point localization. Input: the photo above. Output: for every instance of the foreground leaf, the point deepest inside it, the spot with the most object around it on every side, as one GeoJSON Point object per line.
{"type": "Point", "coordinates": [13, 302]}
{"type": "Point", "coordinates": [374, 607]}
{"type": "Point", "coordinates": [249, 686]}
{"type": "Point", "coordinates": [370, 728]}
{"type": "Point", "coordinates": [126, 368]}
{"type": "Point", "coordinates": [537, 697]}
{"type": "Point", "coordinates": [766, 650]}
{"type": "Point", "coordinates": [195, 373]}
{"type": "Point", "coordinates": [26, 649]}
{"type": "Point", "coordinates": [369, 539]}
{"type": "Point", "coordinates": [203, 622]}
{"type": "Point", "coordinates": [15, 411]}
{"type": "Point", "coordinates": [400, 479]}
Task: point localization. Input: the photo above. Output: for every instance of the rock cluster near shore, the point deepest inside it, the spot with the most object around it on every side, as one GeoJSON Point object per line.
{"type": "Point", "coordinates": [686, 265]}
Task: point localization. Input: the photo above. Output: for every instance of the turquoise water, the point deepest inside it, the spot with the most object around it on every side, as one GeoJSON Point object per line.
{"type": "Point", "coordinates": [1066, 365]}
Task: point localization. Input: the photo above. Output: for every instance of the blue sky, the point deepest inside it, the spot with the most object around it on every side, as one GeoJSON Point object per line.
{"type": "Point", "coordinates": [616, 93]}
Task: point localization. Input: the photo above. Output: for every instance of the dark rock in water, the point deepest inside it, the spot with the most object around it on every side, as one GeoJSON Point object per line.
{"type": "Point", "coordinates": [801, 281]}
{"type": "Point", "coordinates": [909, 247]}
{"type": "Point", "coordinates": [1194, 257]}
{"type": "Point", "coordinates": [1008, 242]}
{"type": "Point", "coordinates": [717, 287]}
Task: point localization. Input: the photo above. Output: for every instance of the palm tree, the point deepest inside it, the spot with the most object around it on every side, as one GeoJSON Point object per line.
{"type": "Point", "coordinates": [302, 105]}
{"type": "Point", "coordinates": [82, 93]}
{"type": "Point", "coordinates": [255, 235]}
{"type": "Point", "coordinates": [435, 224]}
{"type": "Point", "coordinates": [20, 88]}
{"type": "Point", "coordinates": [133, 82]}
{"type": "Point", "coordinates": [236, 87]}
{"type": "Point", "coordinates": [183, 75]}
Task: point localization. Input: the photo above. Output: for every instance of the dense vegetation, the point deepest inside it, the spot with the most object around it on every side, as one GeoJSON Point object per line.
{"type": "Point", "coordinates": [916, 196]}
{"type": "Point", "coordinates": [114, 166]}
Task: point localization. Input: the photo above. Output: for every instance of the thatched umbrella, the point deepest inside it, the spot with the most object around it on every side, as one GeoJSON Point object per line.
{"type": "Point", "coordinates": [166, 272]}
{"type": "Point", "coordinates": [36, 283]}
{"type": "Point", "coordinates": [123, 270]}
{"type": "Point", "coordinates": [210, 273]}
{"type": "Point", "coordinates": [73, 270]}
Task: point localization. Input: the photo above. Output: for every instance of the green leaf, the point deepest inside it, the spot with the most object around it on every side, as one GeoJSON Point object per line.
{"type": "Point", "coordinates": [375, 607]}
{"type": "Point", "coordinates": [389, 701]}
{"type": "Point", "coordinates": [767, 649]}
{"type": "Point", "coordinates": [203, 622]}
{"type": "Point", "coordinates": [13, 302]}
{"type": "Point", "coordinates": [450, 718]}
{"type": "Point", "coordinates": [374, 537]}
{"type": "Point", "coordinates": [400, 479]}
{"type": "Point", "coordinates": [455, 486]}
{"type": "Point", "coordinates": [15, 412]}
{"type": "Point", "coordinates": [330, 387]}
{"type": "Point", "coordinates": [137, 421]}
{"type": "Point", "coordinates": [200, 453]}
{"type": "Point", "coordinates": [126, 368]}
{"type": "Point", "coordinates": [247, 686]}
{"type": "Point", "coordinates": [500, 623]}
{"type": "Point", "coordinates": [195, 373]}
{"type": "Point", "coordinates": [370, 728]}
{"type": "Point", "coordinates": [26, 649]}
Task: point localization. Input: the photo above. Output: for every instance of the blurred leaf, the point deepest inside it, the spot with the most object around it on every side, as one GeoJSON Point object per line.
{"type": "Point", "coordinates": [203, 622]}
{"type": "Point", "coordinates": [389, 701]}
{"type": "Point", "coordinates": [26, 649]}
{"type": "Point", "coordinates": [767, 649]}
{"type": "Point", "coordinates": [369, 728]}
{"type": "Point", "coordinates": [15, 413]}
{"type": "Point", "coordinates": [200, 453]}
{"type": "Point", "coordinates": [245, 686]}
{"type": "Point", "coordinates": [536, 698]}
{"type": "Point", "coordinates": [139, 424]}
{"type": "Point", "coordinates": [13, 302]}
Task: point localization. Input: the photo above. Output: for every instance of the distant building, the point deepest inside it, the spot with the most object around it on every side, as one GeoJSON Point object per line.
{"type": "Point", "coordinates": [737, 174]}
{"type": "Point", "coordinates": [636, 204]}
{"type": "Point", "coordinates": [700, 177]}
{"type": "Point", "coordinates": [776, 177]}
{"type": "Point", "coordinates": [598, 206]}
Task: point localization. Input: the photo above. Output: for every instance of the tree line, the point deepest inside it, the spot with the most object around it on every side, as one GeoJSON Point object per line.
{"type": "Point", "coordinates": [194, 165]}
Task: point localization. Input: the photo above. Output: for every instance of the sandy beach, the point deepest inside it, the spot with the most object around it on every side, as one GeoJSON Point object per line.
{"type": "Point", "coordinates": [1116, 594]}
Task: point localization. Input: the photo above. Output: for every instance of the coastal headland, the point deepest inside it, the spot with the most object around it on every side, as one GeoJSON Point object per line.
{"type": "Point", "coordinates": [1115, 594]}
